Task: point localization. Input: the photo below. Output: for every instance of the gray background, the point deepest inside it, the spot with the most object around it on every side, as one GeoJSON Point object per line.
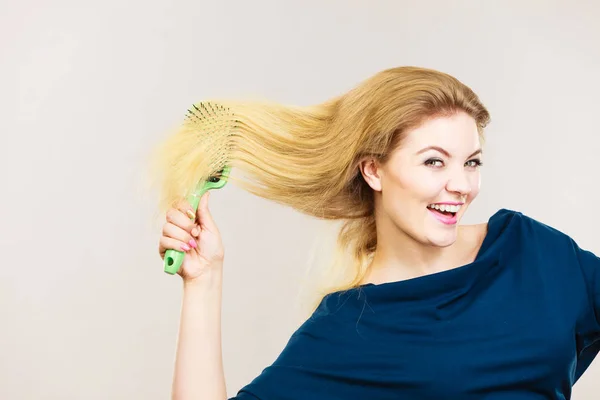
{"type": "Point", "coordinates": [87, 87]}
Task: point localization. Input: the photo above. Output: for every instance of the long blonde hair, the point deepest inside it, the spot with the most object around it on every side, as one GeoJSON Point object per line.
{"type": "Point", "coordinates": [307, 157]}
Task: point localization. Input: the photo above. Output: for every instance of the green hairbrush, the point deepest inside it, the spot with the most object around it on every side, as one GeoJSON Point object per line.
{"type": "Point", "coordinates": [210, 126]}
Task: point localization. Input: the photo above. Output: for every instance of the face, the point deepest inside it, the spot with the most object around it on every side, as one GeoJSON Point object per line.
{"type": "Point", "coordinates": [428, 182]}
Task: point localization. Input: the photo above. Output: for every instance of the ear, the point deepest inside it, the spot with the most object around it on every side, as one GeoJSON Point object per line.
{"type": "Point", "coordinates": [370, 168]}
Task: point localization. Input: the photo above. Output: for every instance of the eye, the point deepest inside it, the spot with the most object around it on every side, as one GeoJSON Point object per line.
{"type": "Point", "coordinates": [434, 162]}
{"type": "Point", "coordinates": [474, 163]}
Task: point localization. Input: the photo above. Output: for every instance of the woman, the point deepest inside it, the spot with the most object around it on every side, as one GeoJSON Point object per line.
{"type": "Point", "coordinates": [426, 308]}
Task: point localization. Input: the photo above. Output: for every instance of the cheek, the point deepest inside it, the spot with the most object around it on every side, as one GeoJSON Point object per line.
{"type": "Point", "coordinates": [416, 188]}
{"type": "Point", "coordinates": [475, 183]}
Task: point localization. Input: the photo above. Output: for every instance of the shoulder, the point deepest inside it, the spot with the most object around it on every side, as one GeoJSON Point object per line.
{"type": "Point", "coordinates": [525, 234]}
{"type": "Point", "coordinates": [524, 225]}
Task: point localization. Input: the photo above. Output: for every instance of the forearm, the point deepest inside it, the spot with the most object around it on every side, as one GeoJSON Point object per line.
{"type": "Point", "coordinates": [199, 362]}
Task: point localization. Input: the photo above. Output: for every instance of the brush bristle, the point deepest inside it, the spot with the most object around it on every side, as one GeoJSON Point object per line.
{"type": "Point", "coordinates": [197, 151]}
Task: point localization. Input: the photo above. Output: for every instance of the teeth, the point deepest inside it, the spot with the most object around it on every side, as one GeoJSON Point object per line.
{"type": "Point", "coordinates": [444, 207]}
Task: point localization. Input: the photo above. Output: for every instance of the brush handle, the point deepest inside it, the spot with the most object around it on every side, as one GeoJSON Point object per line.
{"type": "Point", "coordinates": [174, 258]}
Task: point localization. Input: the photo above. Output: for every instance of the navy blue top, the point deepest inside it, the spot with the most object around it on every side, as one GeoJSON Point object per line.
{"type": "Point", "coordinates": [520, 322]}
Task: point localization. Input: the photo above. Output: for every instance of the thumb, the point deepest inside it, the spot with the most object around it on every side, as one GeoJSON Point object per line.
{"type": "Point", "coordinates": [203, 213]}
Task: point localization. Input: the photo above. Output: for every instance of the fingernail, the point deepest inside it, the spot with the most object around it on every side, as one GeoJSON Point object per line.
{"type": "Point", "coordinates": [192, 243]}
{"type": "Point", "coordinates": [190, 214]}
{"type": "Point", "coordinates": [185, 247]}
{"type": "Point", "coordinates": [195, 232]}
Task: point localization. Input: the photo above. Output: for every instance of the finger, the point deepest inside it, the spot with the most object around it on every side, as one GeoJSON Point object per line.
{"type": "Point", "coordinates": [186, 208]}
{"type": "Point", "coordinates": [167, 243]}
{"type": "Point", "coordinates": [175, 232]}
{"type": "Point", "coordinates": [178, 218]}
{"type": "Point", "coordinates": [203, 213]}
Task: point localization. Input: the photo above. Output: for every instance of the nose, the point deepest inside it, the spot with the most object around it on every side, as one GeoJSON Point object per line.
{"type": "Point", "coordinates": [459, 182]}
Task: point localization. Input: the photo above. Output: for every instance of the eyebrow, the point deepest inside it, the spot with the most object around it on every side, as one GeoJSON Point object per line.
{"type": "Point", "coordinates": [444, 152]}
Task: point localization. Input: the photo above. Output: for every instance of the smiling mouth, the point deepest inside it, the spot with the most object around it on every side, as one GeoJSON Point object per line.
{"type": "Point", "coordinates": [447, 211]}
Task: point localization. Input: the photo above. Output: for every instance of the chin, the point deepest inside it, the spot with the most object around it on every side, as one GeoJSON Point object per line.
{"type": "Point", "coordinates": [442, 240]}
{"type": "Point", "coordinates": [441, 236]}
{"type": "Point", "coordinates": [440, 232]}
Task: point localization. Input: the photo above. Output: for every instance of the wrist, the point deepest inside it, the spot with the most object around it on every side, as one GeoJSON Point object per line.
{"type": "Point", "coordinates": [212, 278]}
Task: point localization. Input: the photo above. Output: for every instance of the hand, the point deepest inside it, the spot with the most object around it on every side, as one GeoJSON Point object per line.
{"type": "Point", "coordinates": [196, 235]}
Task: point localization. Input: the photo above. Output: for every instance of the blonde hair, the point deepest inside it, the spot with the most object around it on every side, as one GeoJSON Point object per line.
{"type": "Point", "coordinates": [307, 157]}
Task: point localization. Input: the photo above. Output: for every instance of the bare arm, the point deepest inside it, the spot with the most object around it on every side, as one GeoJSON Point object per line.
{"type": "Point", "coordinates": [199, 362]}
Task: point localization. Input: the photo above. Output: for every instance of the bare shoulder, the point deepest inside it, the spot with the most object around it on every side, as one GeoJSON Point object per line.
{"type": "Point", "coordinates": [472, 237]}
{"type": "Point", "coordinates": [474, 232]}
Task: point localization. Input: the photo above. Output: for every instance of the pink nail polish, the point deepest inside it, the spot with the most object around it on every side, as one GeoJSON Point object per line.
{"type": "Point", "coordinates": [185, 247]}
{"type": "Point", "coordinates": [192, 243]}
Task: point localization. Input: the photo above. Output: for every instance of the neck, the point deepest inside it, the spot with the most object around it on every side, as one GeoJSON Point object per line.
{"type": "Point", "coordinates": [399, 256]}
